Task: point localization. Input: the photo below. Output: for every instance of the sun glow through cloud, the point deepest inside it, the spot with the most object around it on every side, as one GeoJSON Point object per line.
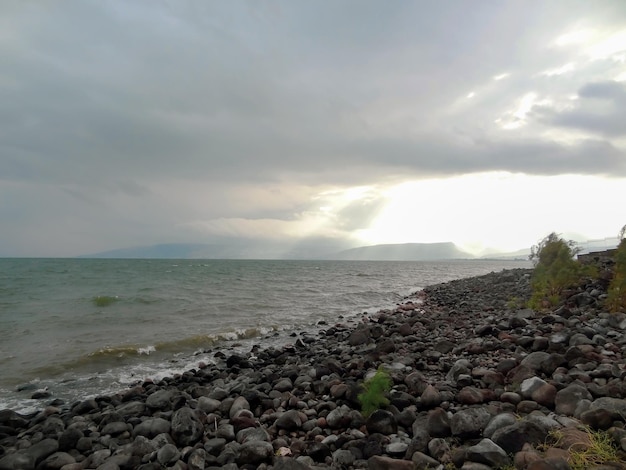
{"type": "Point", "coordinates": [496, 210]}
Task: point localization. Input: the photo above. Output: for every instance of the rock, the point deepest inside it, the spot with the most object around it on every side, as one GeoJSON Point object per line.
{"type": "Point", "coordinates": [488, 453]}
{"type": "Point", "coordinates": [208, 405]}
{"type": "Point", "coordinates": [168, 455]}
{"type": "Point", "coordinates": [197, 459]}
{"type": "Point", "coordinates": [379, 462]}
{"type": "Point", "coordinates": [239, 404]}
{"type": "Point", "coordinates": [285, 463]}
{"type": "Point", "coordinates": [420, 440]}
{"type": "Point", "coordinates": [567, 399]}
{"type": "Point", "coordinates": [438, 447]}
{"type": "Point", "coordinates": [289, 420]}
{"type": "Point", "coordinates": [513, 437]}
{"type": "Point", "coordinates": [423, 461]}
{"type": "Point", "coordinates": [430, 397]}
{"type": "Point", "coordinates": [114, 428]}
{"type": "Point", "coordinates": [186, 428]}
{"type": "Point", "coordinates": [343, 458]}
{"type": "Point", "coordinates": [358, 337]}
{"type": "Point", "coordinates": [69, 438]}
{"type": "Point", "coordinates": [152, 427]}
{"type": "Point", "coordinates": [284, 385]}
{"type": "Point", "coordinates": [598, 418]}
{"type": "Point", "coordinates": [17, 461]}
{"type": "Point", "coordinates": [470, 396]}
{"type": "Point", "coordinates": [383, 422]}
{"type": "Point", "coordinates": [338, 418]}
{"type": "Point", "coordinates": [534, 360]}
{"type": "Point", "coordinates": [437, 423]}
{"type": "Point", "coordinates": [396, 449]}
{"type": "Point", "coordinates": [498, 422]}
{"type": "Point", "coordinates": [615, 406]}
{"type": "Point", "coordinates": [42, 449]}
{"type": "Point", "coordinates": [160, 400]}
{"type": "Point", "coordinates": [318, 451]}
{"type": "Point", "coordinates": [469, 422]}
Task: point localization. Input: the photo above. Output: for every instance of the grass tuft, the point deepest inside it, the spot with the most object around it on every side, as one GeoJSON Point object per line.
{"type": "Point", "coordinates": [585, 446]}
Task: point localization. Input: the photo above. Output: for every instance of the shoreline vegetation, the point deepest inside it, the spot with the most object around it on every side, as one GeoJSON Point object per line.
{"type": "Point", "coordinates": [461, 375]}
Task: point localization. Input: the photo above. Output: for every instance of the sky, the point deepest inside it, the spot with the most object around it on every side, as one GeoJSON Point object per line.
{"type": "Point", "coordinates": [319, 125]}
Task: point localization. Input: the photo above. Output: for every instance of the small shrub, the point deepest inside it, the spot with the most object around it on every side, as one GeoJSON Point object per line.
{"type": "Point", "coordinates": [555, 270]}
{"type": "Point", "coordinates": [616, 300]}
{"type": "Point", "coordinates": [373, 397]}
{"type": "Point", "coordinates": [104, 300]}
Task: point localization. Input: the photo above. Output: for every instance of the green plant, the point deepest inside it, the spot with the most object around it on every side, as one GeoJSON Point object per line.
{"type": "Point", "coordinates": [374, 390]}
{"type": "Point", "coordinates": [616, 299]}
{"type": "Point", "coordinates": [555, 270]}
{"type": "Point", "coordinates": [104, 300]}
{"type": "Point", "coordinates": [515, 303]}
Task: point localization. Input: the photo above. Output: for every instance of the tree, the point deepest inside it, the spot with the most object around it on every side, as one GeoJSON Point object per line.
{"type": "Point", "coordinates": [616, 300]}
{"type": "Point", "coordinates": [555, 270]}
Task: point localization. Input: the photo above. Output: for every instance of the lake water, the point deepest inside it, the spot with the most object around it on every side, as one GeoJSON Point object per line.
{"type": "Point", "coordinates": [87, 327]}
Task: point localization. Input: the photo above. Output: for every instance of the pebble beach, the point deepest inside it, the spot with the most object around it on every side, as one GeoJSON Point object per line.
{"type": "Point", "coordinates": [478, 382]}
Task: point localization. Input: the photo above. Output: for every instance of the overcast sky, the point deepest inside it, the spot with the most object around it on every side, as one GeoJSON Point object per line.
{"type": "Point", "coordinates": [489, 124]}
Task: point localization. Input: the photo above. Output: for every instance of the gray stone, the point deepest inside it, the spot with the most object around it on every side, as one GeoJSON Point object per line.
{"type": "Point", "coordinates": [42, 449]}
{"type": "Point", "coordinates": [534, 360]}
{"type": "Point", "coordinates": [168, 455]}
{"type": "Point", "coordinates": [253, 434]}
{"type": "Point", "coordinates": [528, 386]}
{"type": "Point", "coordinates": [512, 438]}
{"type": "Point", "coordinates": [17, 461]}
{"type": "Point", "coordinates": [114, 428]}
{"type": "Point", "coordinates": [567, 399]}
{"type": "Point", "coordinates": [343, 458]}
{"type": "Point", "coordinates": [438, 447]}
{"type": "Point", "coordinates": [160, 400]}
{"type": "Point", "coordinates": [469, 422]}
{"type": "Point", "coordinates": [287, 463]}
{"type": "Point", "coordinates": [255, 452]}
{"type": "Point", "coordinates": [152, 427]}
{"type": "Point", "coordinates": [226, 431]}
{"type": "Point", "coordinates": [497, 422]}
{"type": "Point", "coordinates": [69, 438]}
{"type": "Point", "coordinates": [359, 336]}
{"type": "Point", "coordinates": [488, 453]}
{"type": "Point", "coordinates": [289, 420]}
{"type": "Point", "coordinates": [208, 405]}
{"type": "Point", "coordinates": [383, 422]}
{"type": "Point", "coordinates": [437, 423]}
{"type": "Point", "coordinates": [396, 449]}
{"type": "Point", "coordinates": [284, 385]}
{"type": "Point", "coordinates": [197, 459]}
{"type": "Point", "coordinates": [56, 461]}
{"type": "Point", "coordinates": [186, 428]}
{"type": "Point", "coordinates": [239, 404]}
{"type": "Point", "coordinates": [424, 462]}
{"type": "Point", "coordinates": [131, 409]}
{"type": "Point", "coordinates": [617, 406]}
{"type": "Point", "coordinates": [380, 462]}
{"type": "Point", "coordinates": [430, 397]}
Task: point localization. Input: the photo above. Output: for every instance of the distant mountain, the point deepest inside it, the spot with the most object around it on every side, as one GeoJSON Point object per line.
{"type": "Point", "coordinates": [404, 252]}
{"type": "Point", "coordinates": [522, 254]}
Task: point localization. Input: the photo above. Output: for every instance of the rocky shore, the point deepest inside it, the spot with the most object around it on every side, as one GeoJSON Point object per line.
{"type": "Point", "coordinates": [478, 383]}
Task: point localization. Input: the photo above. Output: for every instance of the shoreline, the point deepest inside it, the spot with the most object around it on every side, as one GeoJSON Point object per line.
{"type": "Point", "coordinates": [476, 381]}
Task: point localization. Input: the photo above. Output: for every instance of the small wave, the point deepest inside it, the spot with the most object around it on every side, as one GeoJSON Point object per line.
{"type": "Point", "coordinates": [147, 350]}
{"type": "Point", "coordinates": [104, 300]}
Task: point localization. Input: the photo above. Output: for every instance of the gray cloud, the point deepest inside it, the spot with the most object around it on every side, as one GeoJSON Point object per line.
{"type": "Point", "coordinates": [601, 111]}
{"type": "Point", "coordinates": [134, 104]}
